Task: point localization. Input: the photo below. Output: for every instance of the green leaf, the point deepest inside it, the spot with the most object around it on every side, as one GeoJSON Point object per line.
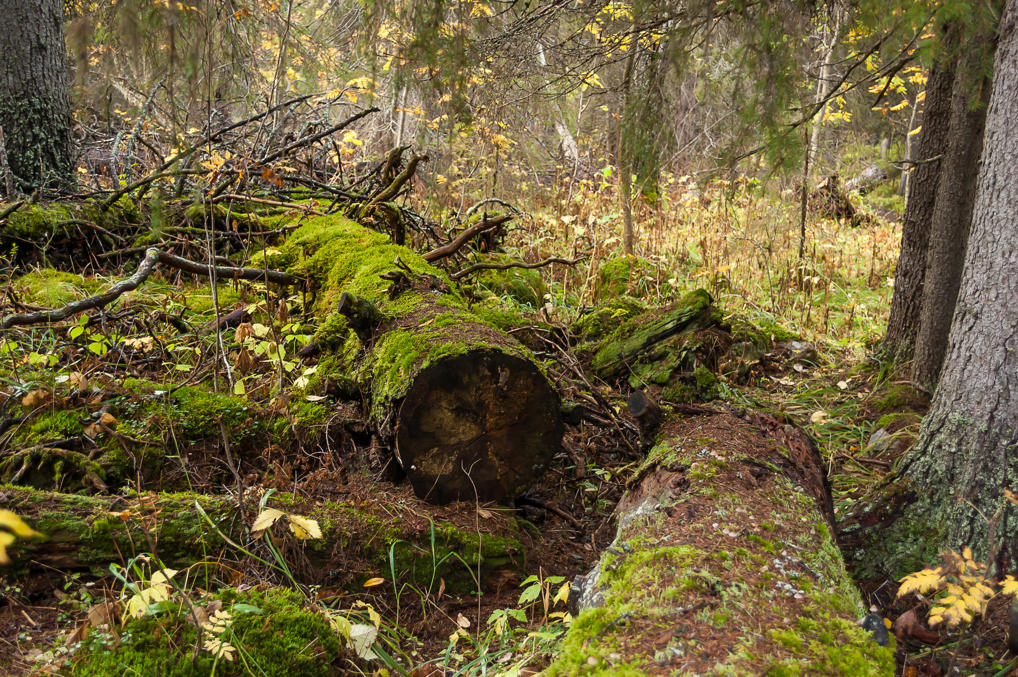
{"type": "Point", "coordinates": [241, 608]}
{"type": "Point", "coordinates": [530, 594]}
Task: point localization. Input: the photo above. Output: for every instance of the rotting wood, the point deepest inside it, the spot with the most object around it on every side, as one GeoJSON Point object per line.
{"type": "Point", "coordinates": [727, 524]}
{"type": "Point", "coordinates": [86, 532]}
{"type": "Point", "coordinates": [466, 410]}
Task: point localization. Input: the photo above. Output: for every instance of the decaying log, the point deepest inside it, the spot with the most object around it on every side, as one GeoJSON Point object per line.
{"type": "Point", "coordinates": [638, 335]}
{"type": "Point", "coordinates": [723, 563]}
{"type": "Point", "coordinates": [464, 406]}
{"type": "Point", "coordinates": [90, 532]}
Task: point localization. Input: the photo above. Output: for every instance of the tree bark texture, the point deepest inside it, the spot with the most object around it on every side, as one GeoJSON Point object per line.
{"type": "Point", "coordinates": [34, 106]}
{"type": "Point", "coordinates": [723, 563]}
{"type": "Point", "coordinates": [952, 214]}
{"type": "Point", "coordinates": [467, 411]}
{"type": "Point", "coordinates": [910, 274]}
{"type": "Point", "coordinates": [967, 451]}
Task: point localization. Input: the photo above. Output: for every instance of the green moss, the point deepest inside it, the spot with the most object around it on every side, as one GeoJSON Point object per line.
{"type": "Point", "coordinates": [52, 425]}
{"type": "Point", "coordinates": [629, 276]}
{"type": "Point", "coordinates": [54, 288]}
{"type": "Point", "coordinates": [37, 221]}
{"type": "Point", "coordinates": [694, 311]}
{"type": "Point", "coordinates": [192, 412]}
{"type": "Point", "coordinates": [279, 639]}
{"type": "Point", "coordinates": [521, 285]}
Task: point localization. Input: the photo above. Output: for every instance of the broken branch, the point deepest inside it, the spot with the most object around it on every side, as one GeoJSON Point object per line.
{"type": "Point", "coordinates": [152, 258]}
{"type": "Point", "coordinates": [454, 246]}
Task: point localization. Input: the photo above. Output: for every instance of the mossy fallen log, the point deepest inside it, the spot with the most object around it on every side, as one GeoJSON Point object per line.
{"type": "Point", "coordinates": [466, 408]}
{"type": "Point", "coordinates": [723, 563]}
{"type": "Point", "coordinates": [358, 539]}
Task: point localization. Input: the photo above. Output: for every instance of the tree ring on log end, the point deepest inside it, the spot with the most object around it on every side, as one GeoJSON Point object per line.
{"type": "Point", "coordinates": [481, 425]}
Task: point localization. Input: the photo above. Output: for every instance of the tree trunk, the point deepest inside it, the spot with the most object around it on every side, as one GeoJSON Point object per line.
{"type": "Point", "coordinates": [34, 107]}
{"type": "Point", "coordinates": [467, 411]}
{"type": "Point", "coordinates": [624, 153]}
{"type": "Point", "coordinates": [566, 141]}
{"type": "Point", "coordinates": [824, 85]}
{"type": "Point", "coordinates": [952, 215]}
{"type": "Point", "coordinates": [89, 532]}
{"type": "Point", "coordinates": [723, 563]}
{"type": "Point", "coordinates": [909, 277]}
{"type": "Point", "coordinates": [967, 452]}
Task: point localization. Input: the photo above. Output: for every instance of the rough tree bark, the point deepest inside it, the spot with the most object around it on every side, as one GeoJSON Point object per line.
{"type": "Point", "coordinates": [967, 452]}
{"type": "Point", "coordinates": [34, 106]}
{"type": "Point", "coordinates": [952, 213]}
{"type": "Point", "coordinates": [467, 411]}
{"type": "Point", "coordinates": [910, 274]}
{"type": "Point", "coordinates": [723, 563]}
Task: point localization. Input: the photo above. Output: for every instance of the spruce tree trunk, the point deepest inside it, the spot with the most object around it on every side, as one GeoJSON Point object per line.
{"type": "Point", "coordinates": [952, 215]}
{"type": "Point", "coordinates": [34, 106]}
{"type": "Point", "coordinates": [909, 278]}
{"type": "Point", "coordinates": [967, 452]}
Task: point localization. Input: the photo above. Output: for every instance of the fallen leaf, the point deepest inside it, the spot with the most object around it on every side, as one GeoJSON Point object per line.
{"type": "Point", "coordinates": [843, 385]}
{"type": "Point", "coordinates": [304, 528]}
{"type": "Point", "coordinates": [35, 398]}
{"type": "Point", "coordinates": [819, 416]}
{"type": "Point", "coordinates": [372, 582]}
{"type": "Point", "coordinates": [462, 621]}
{"type": "Point", "coordinates": [266, 518]}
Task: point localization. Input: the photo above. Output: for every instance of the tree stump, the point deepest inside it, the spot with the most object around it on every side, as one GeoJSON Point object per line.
{"type": "Point", "coordinates": [466, 409]}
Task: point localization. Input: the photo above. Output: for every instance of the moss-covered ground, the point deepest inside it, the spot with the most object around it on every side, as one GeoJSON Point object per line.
{"type": "Point", "coordinates": [135, 414]}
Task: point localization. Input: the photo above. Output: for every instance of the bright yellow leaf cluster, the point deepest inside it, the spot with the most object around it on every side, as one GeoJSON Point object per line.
{"type": "Point", "coordinates": [302, 527]}
{"type": "Point", "coordinates": [960, 588]}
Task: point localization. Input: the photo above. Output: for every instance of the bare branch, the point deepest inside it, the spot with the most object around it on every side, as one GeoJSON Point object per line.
{"type": "Point", "coordinates": [153, 257]}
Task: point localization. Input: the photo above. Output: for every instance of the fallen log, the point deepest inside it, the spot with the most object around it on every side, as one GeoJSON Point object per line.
{"type": "Point", "coordinates": [89, 532]}
{"type": "Point", "coordinates": [723, 563]}
{"type": "Point", "coordinates": [467, 411]}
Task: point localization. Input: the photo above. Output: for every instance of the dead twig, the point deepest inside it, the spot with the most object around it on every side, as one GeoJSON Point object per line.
{"type": "Point", "coordinates": [457, 243]}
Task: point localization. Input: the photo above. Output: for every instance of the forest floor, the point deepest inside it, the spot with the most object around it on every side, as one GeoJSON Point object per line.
{"type": "Point", "coordinates": [451, 610]}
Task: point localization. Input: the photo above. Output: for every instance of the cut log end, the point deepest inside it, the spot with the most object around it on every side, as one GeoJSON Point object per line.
{"type": "Point", "coordinates": [481, 425]}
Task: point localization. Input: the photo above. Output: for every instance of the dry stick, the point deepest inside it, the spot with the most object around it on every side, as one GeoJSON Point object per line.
{"type": "Point", "coordinates": [152, 258]}
{"type": "Point", "coordinates": [513, 264]}
{"type": "Point", "coordinates": [393, 188]}
{"type": "Point", "coordinates": [320, 135]}
{"type": "Point", "coordinates": [454, 246]}
{"type": "Point", "coordinates": [262, 201]}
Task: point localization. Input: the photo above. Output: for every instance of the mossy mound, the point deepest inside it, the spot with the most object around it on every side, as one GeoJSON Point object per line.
{"type": "Point", "coordinates": [631, 276]}
{"type": "Point", "coordinates": [51, 288]}
{"type": "Point", "coordinates": [272, 633]}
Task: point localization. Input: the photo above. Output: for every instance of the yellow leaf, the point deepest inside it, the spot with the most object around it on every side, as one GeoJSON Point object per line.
{"type": "Point", "coordinates": [6, 538]}
{"type": "Point", "coordinates": [304, 528]}
{"type": "Point", "coordinates": [266, 519]}
{"type": "Point", "coordinates": [13, 523]}
{"type": "Point", "coordinates": [372, 582]}
{"type": "Point", "coordinates": [1009, 586]}
{"type": "Point", "coordinates": [562, 595]}
{"type": "Point", "coordinates": [921, 582]}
